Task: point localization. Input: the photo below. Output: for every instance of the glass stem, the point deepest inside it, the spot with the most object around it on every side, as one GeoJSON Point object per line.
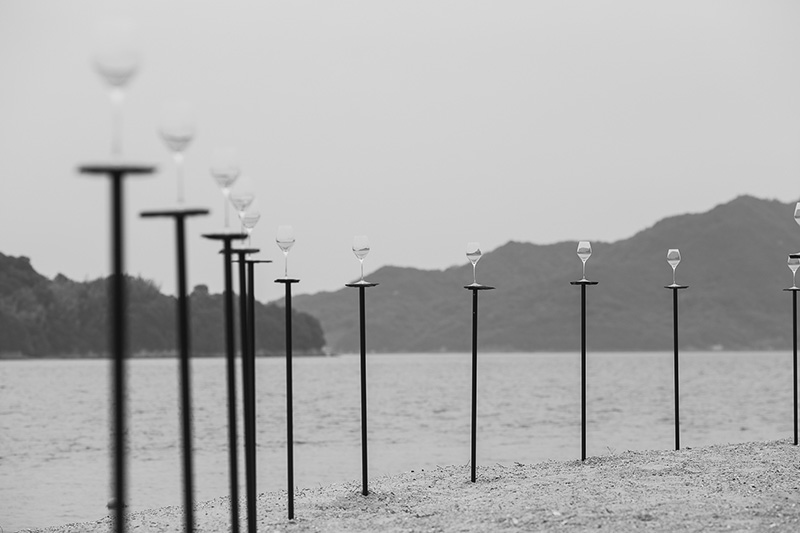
{"type": "Point", "coordinates": [285, 264]}
{"type": "Point", "coordinates": [474, 276]}
{"type": "Point", "coordinates": [584, 270]}
{"type": "Point", "coordinates": [225, 195]}
{"type": "Point", "coordinates": [673, 276]}
{"type": "Point", "coordinates": [117, 96]}
{"type": "Point", "coordinates": [362, 269]}
{"type": "Point", "coordinates": [794, 276]}
{"type": "Point", "coordinates": [178, 157]}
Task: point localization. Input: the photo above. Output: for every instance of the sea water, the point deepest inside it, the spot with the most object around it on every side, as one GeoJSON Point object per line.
{"type": "Point", "coordinates": [55, 430]}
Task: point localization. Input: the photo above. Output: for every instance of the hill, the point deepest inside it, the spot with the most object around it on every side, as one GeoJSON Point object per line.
{"type": "Point", "coordinates": [734, 259]}
{"type": "Point", "coordinates": [40, 317]}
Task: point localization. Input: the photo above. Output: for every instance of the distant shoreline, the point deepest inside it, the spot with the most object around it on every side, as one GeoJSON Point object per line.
{"type": "Point", "coordinates": [482, 352]}
{"type": "Point", "coordinates": [159, 355]}
{"type": "Point", "coordinates": [749, 486]}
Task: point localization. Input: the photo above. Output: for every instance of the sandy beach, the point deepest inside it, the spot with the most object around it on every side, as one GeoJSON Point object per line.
{"type": "Point", "coordinates": [740, 487]}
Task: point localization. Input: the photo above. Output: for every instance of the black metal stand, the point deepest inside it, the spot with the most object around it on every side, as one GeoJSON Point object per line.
{"type": "Point", "coordinates": [118, 330]}
{"type": "Point", "coordinates": [583, 283]}
{"type": "Point", "coordinates": [180, 216]}
{"type": "Point", "coordinates": [675, 288]}
{"type": "Point", "coordinates": [794, 290]}
{"type": "Point", "coordinates": [289, 419]}
{"type": "Point", "coordinates": [230, 357]}
{"type": "Point", "coordinates": [475, 288]}
{"type": "Point", "coordinates": [362, 285]}
{"type": "Point", "coordinates": [248, 371]}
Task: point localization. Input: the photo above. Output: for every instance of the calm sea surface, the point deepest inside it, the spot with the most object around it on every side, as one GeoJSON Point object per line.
{"type": "Point", "coordinates": [54, 419]}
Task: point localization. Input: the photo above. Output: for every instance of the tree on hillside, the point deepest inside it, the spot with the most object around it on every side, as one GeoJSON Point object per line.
{"type": "Point", "coordinates": [62, 317]}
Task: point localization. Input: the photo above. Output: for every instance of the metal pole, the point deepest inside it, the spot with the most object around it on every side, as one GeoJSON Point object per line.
{"type": "Point", "coordinates": [119, 341]}
{"type": "Point", "coordinates": [246, 392]}
{"type": "Point", "coordinates": [362, 322]}
{"type": "Point", "coordinates": [362, 313]}
{"type": "Point", "coordinates": [794, 342]}
{"type": "Point", "coordinates": [676, 359]}
{"type": "Point", "coordinates": [675, 367]}
{"type": "Point", "coordinates": [184, 353]}
{"type": "Point", "coordinates": [251, 363]}
{"type": "Point", "coordinates": [473, 456]}
{"type": "Point", "coordinates": [185, 376]}
{"type": "Point", "coordinates": [118, 331]}
{"type": "Point", "coordinates": [475, 287]}
{"type": "Point", "coordinates": [289, 417]}
{"type": "Point", "coordinates": [230, 357]}
{"type": "Point", "coordinates": [230, 353]}
{"type": "Point", "coordinates": [583, 283]}
{"type": "Point", "coordinates": [583, 372]}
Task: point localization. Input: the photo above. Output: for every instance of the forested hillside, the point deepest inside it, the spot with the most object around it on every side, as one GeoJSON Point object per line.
{"type": "Point", "coordinates": [40, 317]}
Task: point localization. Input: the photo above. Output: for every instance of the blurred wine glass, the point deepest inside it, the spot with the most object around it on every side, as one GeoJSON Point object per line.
{"type": "Point", "coordinates": [584, 253]}
{"type": "Point", "coordinates": [794, 263]}
{"type": "Point", "coordinates": [673, 258]}
{"type": "Point", "coordinates": [250, 218]}
{"type": "Point", "coordinates": [285, 240]}
{"type": "Point", "coordinates": [241, 200]}
{"type": "Point", "coordinates": [361, 249]}
{"type": "Point", "coordinates": [116, 58]}
{"type": "Point", "coordinates": [474, 255]}
{"type": "Point", "coordinates": [242, 195]}
{"type": "Point", "coordinates": [797, 213]}
{"type": "Point", "coordinates": [177, 131]}
{"type": "Point", "coordinates": [225, 169]}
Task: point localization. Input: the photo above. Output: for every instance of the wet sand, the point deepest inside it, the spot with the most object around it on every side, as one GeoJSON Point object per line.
{"type": "Point", "coordinates": [740, 487]}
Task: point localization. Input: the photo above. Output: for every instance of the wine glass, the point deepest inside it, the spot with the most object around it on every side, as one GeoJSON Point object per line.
{"type": "Point", "coordinates": [285, 240]}
{"type": "Point", "coordinates": [584, 253]}
{"type": "Point", "coordinates": [474, 255]}
{"type": "Point", "coordinates": [177, 131]}
{"type": "Point", "coordinates": [361, 249]}
{"type": "Point", "coordinates": [794, 263]}
{"type": "Point", "coordinates": [225, 169]}
{"type": "Point", "coordinates": [250, 218]}
{"type": "Point", "coordinates": [797, 213]}
{"type": "Point", "coordinates": [242, 195]}
{"type": "Point", "coordinates": [673, 258]}
{"type": "Point", "coordinates": [116, 58]}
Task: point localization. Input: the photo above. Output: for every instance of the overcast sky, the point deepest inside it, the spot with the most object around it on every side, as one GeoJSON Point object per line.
{"type": "Point", "coordinates": [422, 124]}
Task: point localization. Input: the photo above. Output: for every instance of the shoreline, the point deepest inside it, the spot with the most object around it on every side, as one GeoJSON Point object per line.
{"type": "Point", "coordinates": [156, 355]}
{"type": "Point", "coordinates": [323, 354]}
{"type": "Point", "coordinates": [752, 486]}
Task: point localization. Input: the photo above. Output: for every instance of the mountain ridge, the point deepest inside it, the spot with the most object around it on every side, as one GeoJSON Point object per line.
{"type": "Point", "coordinates": [734, 259]}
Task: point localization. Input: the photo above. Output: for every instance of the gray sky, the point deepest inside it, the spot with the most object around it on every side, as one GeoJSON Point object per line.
{"type": "Point", "coordinates": [421, 124]}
